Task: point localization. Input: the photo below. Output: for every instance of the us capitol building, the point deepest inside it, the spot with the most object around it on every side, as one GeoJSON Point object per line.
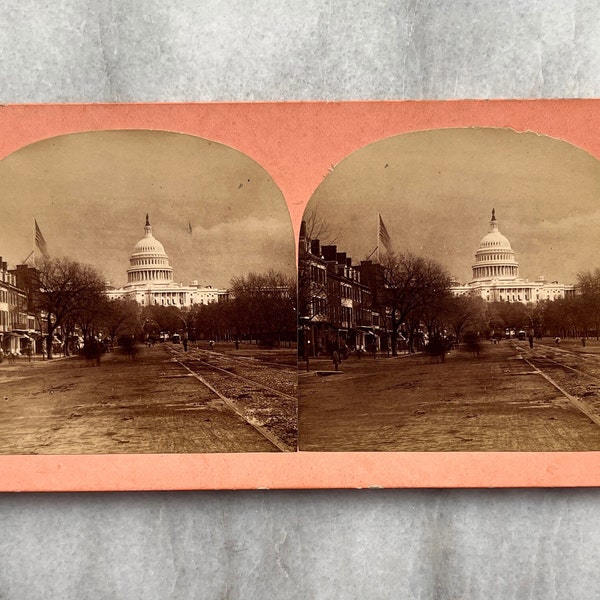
{"type": "Point", "coordinates": [150, 279]}
{"type": "Point", "coordinates": [496, 274]}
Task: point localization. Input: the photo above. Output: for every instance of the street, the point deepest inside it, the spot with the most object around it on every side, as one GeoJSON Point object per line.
{"type": "Point", "coordinates": [498, 402]}
{"type": "Point", "coordinates": [151, 404]}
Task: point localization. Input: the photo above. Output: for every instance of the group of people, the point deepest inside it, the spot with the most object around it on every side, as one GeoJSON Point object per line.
{"type": "Point", "coordinates": [11, 357]}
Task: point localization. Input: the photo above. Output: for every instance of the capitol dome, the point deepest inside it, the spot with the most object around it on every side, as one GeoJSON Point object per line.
{"type": "Point", "coordinates": [495, 258]}
{"type": "Point", "coordinates": [149, 245]}
{"type": "Point", "coordinates": [149, 263]}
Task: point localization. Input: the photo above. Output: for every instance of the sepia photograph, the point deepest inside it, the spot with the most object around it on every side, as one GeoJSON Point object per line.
{"type": "Point", "coordinates": [449, 297]}
{"type": "Point", "coordinates": [147, 298]}
{"type": "Point", "coordinates": [195, 298]}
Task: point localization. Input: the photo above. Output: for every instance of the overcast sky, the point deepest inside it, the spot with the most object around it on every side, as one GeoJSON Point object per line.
{"type": "Point", "coordinates": [90, 193]}
{"type": "Point", "coordinates": [436, 190]}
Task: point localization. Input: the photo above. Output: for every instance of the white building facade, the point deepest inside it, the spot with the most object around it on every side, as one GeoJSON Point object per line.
{"type": "Point", "coordinates": [496, 274]}
{"type": "Point", "coordinates": [150, 279]}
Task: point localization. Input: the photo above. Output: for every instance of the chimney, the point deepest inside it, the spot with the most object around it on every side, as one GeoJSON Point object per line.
{"type": "Point", "coordinates": [329, 253]}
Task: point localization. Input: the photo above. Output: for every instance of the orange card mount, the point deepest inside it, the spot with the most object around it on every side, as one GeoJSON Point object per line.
{"type": "Point", "coordinates": [186, 371]}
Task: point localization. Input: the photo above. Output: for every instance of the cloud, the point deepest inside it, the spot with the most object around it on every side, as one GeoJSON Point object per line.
{"type": "Point", "coordinates": [90, 193]}
{"type": "Point", "coordinates": [436, 189]}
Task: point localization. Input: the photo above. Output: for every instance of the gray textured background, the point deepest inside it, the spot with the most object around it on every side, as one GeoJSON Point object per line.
{"type": "Point", "coordinates": [352, 544]}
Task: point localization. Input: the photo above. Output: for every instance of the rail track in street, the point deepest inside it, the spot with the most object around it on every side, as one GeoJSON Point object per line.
{"type": "Point", "coordinates": [575, 375]}
{"type": "Point", "coordinates": [263, 393]}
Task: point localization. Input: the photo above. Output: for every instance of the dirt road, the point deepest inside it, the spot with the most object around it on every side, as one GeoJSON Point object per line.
{"type": "Point", "coordinates": [148, 405]}
{"type": "Point", "coordinates": [495, 403]}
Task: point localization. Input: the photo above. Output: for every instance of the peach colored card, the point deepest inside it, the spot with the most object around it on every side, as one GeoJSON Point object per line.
{"type": "Point", "coordinates": [298, 145]}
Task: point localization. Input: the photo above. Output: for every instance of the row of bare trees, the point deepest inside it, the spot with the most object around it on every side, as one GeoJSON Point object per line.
{"type": "Point", "coordinates": [70, 296]}
{"type": "Point", "coordinates": [415, 295]}
{"type": "Point", "coordinates": [577, 315]}
{"type": "Point", "coordinates": [415, 291]}
{"type": "Point", "coordinates": [261, 307]}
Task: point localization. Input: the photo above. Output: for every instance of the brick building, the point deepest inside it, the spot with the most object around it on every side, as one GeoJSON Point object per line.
{"type": "Point", "coordinates": [17, 326]}
{"type": "Point", "coordinates": [335, 307]}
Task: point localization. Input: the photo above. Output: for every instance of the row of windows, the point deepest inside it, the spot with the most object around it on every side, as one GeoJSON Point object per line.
{"type": "Point", "coordinates": [149, 275]}
{"type": "Point", "coordinates": [136, 262]}
{"type": "Point", "coordinates": [10, 297]}
{"type": "Point", "coordinates": [12, 319]}
{"type": "Point", "coordinates": [526, 296]}
{"type": "Point", "coordinates": [319, 306]}
{"type": "Point", "coordinates": [6, 277]}
{"type": "Point", "coordinates": [172, 302]}
{"type": "Point", "coordinates": [317, 275]}
{"type": "Point", "coordinates": [486, 257]}
{"type": "Point", "coordinates": [500, 270]}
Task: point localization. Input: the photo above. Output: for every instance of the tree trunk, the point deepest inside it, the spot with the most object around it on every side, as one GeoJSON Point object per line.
{"type": "Point", "coordinates": [49, 338]}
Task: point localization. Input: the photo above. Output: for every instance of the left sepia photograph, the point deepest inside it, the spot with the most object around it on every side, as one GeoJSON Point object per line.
{"type": "Point", "coordinates": [147, 299]}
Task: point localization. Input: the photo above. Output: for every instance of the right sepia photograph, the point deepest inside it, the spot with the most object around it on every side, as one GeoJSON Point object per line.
{"type": "Point", "coordinates": [449, 297]}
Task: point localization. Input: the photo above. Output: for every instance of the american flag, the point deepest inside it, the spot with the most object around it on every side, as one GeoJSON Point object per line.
{"type": "Point", "coordinates": [384, 236]}
{"type": "Point", "coordinates": [40, 242]}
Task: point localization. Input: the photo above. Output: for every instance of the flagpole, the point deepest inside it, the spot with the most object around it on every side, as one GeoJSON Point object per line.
{"type": "Point", "coordinates": [33, 244]}
{"type": "Point", "coordinates": [378, 244]}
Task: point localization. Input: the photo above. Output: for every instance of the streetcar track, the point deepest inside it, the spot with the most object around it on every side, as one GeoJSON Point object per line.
{"type": "Point", "coordinates": [559, 364]}
{"type": "Point", "coordinates": [245, 361]}
{"type": "Point", "coordinates": [256, 388]}
{"type": "Point", "coordinates": [279, 444]}
{"type": "Point", "coordinates": [591, 412]}
{"type": "Point", "coordinates": [575, 401]}
{"type": "Point", "coordinates": [246, 379]}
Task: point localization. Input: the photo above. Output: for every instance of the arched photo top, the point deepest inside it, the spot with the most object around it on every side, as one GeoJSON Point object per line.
{"type": "Point", "coordinates": [435, 191]}
{"type": "Point", "coordinates": [217, 212]}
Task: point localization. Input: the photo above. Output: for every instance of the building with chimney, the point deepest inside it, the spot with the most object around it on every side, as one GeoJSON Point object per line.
{"type": "Point", "coordinates": [335, 307]}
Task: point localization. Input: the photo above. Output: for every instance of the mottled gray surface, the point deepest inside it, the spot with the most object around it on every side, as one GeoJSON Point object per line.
{"type": "Point", "coordinates": [326, 545]}
{"type": "Point", "coordinates": [350, 544]}
{"type": "Point", "coordinates": [114, 50]}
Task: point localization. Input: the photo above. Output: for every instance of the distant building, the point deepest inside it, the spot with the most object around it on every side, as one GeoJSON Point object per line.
{"type": "Point", "coordinates": [150, 279]}
{"type": "Point", "coordinates": [496, 274]}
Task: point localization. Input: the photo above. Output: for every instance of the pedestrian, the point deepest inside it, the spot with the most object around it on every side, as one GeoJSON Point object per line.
{"type": "Point", "coordinates": [211, 344]}
{"type": "Point", "coordinates": [185, 343]}
{"type": "Point", "coordinates": [583, 342]}
{"type": "Point", "coordinates": [557, 341]}
{"type": "Point", "coordinates": [336, 359]}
